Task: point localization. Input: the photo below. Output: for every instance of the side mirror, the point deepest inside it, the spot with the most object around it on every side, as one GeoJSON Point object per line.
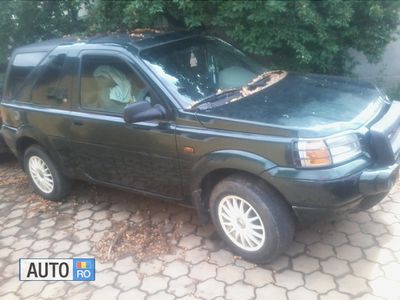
{"type": "Point", "coordinates": [143, 111]}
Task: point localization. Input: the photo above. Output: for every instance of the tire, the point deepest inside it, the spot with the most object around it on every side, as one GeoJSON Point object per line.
{"type": "Point", "coordinates": [274, 220]}
{"type": "Point", "coordinates": [34, 156]}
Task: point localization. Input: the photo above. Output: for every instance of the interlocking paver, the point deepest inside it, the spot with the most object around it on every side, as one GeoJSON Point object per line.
{"type": "Point", "coordinates": [320, 282]}
{"type": "Point", "coordinates": [373, 228]}
{"type": "Point", "coordinates": [8, 241]}
{"type": "Point", "coordinates": [53, 290]}
{"type": "Point", "coordinates": [152, 267]}
{"type": "Point", "coordinates": [379, 255]}
{"type": "Point", "coordinates": [84, 214]}
{"type": "Point", "coordinates": [44, 233]}
{"type": "Point", "coordinates": [355, 257]}
{"type": "Point", "coordinates": [307, 237]}
{"type": "Point", "coordinates": [100, 215]}
{"type": "Point", "coordinates": [80, 292]}
{"type": "Point", "coordinates": [104, 278]}
{"type": "Point", "coordinates": [124, 265]}
{"type": "Point", "coordinates": [271, 292]}
{"type": "Point", "coordinates": [385, 288]}
{"type": "Point", "coordinates": [209, 289]}
{"type": "Point", "coordinates": [196, 255]}
{"type": "Point", "coordinates": [63, 245]}
{"type": "Point", "coordinates": [334, 238]}
{"type": "Point", "coordinates": [335, 266]}
{"type": "Point", "coordinates": [79, 248]}
{"type": "Point", "coordinates": [279, 264]}
{"type": "Point", "coordinates": [362, 240]}
{"type": "Point", "coordinates": [85, 223]}
{"type": "Point", "coordinates": [10, 285]}
{"type": "Point", "coordinates": [389, 241]}
{"type": "Point", "coordinates": [82, 235]}
{"type": "Point", "coordinates": [182, 286]}
{"type": "Point", "coordinates": [189, 242]}
{"type": "Point", "coordinates": [107, 292]}
{"type": "Point", "coordinates": [335, 295]}
{"type": "Point", "coordinates": [161, 296]}
{"type": "Point", "coordinates": [305, 264]}
{"type": "Point", "coordinates": [295, 248]}
{"type": "Point", "coordinates": [258, 277]}
{"type": "Point", "coordinates": [203, 271]}
{"type": "Point", "coordinates": [101, 225]}
{"type": "Point", "coordinates": [289, 279]}
{"type": "Point", "coordinates": [60, 235]}
{"type": "Point", "coordinates": [221, 258]}
{"type": "Point", "coordinates": [176, 269]}
{"type": "Point", "coordinates": [392, 271]}
{"type": "Point", "coordinates": [348, 252]}
{"type": "Point", "coordinates": [127, 281]}
{"type": "Point", "coordinates": [352, 285]}
{"type": "Point", "coordinates": [347, 227]}
{"type": "Point", "coordinates": [132, 294]}
{"type": "Point", "coordinates": [239, 291]}
{"type": "Point", "coordinates": [154, 284]}
{"type": "Point", "coordinates": [320, 250]}
{"type": "Point", "coordinates": [366, 269]}
{"type": "Point", "coordinates": [302, 293]}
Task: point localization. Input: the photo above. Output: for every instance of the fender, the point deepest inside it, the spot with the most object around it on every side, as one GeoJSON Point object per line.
{"type": "Point", "coordinates": [228, 159]}
{"type": "Point", "coordinates": [25, 131]}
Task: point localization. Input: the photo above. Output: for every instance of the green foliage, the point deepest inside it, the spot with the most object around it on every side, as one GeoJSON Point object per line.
{"type": "Point", "coordinates": [305, 34]}
{"type": "Point", "coordinates": [394, 92]}
{"type": "Point", "coordinates": [23, 22]}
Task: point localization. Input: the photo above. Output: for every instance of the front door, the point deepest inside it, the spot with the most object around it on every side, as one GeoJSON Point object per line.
{"type": "Point", "coordinates": [141, 156]}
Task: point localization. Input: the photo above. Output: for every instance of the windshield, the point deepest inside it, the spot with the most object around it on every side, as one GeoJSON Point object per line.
{"type": "Point", "coordinates": [197, 68]}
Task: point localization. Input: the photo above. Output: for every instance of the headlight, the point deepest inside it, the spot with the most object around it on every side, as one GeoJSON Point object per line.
{"type": "Point", "coordinates": [325, 152]}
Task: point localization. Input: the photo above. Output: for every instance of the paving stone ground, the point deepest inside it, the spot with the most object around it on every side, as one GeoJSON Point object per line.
{"type": "Point", "coordinates": [355, 257]}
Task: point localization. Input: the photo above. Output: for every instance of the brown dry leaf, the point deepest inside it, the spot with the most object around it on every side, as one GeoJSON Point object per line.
{"type": "Point", "coordinates": [38, 205]}
{"type": "Point", "coordinates": [143, 241]}
{"type": "Point", "coordinates": [18, 181]}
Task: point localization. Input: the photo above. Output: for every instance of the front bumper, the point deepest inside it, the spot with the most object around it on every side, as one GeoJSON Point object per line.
{"type": "Point", "coordinates": [379, 180]}
{"type": "Point", "coordinates": [323, 196]}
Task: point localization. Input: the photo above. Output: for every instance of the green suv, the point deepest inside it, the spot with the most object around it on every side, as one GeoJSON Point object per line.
{"type": "Point", "coordinates": [191, 119]}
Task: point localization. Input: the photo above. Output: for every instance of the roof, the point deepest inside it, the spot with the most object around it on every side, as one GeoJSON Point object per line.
{"type": "Point", "coordinates": [138, 40]}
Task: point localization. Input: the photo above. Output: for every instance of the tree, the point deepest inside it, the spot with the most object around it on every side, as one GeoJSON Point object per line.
{"type": "Point", "coordinates": [306, 35]}
{"type": "Point", "coordinates": [298, 35]}
{"type": "Point", "coordinates": [24, 22]}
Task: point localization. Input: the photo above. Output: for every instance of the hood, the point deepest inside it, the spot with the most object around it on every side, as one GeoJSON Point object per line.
{"type": "Point", "coordinates": [316, 103]}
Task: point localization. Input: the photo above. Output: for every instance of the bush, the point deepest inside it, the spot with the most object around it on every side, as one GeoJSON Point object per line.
{"type": "Point", "coordinates": [304, 35]}
{"type": "Point", "coordinates": [298, 35]}
{"type": "Point", "coordinates": [24, 22]}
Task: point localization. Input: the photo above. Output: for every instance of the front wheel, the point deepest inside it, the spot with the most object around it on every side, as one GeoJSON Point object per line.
{"type": "Point", "coordinates": [43, 175]}
{"type": "Point", "coordinates": [251, 217]}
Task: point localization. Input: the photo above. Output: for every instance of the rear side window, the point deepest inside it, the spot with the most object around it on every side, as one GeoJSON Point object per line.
{"type": "Point", "coordinates": [22, 65]}
{"type": "Point", "coordinates": [49, 89]}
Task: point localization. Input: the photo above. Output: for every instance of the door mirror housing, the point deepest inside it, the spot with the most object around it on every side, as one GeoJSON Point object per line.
{"type": "Point", "coordinates": [143, 111]}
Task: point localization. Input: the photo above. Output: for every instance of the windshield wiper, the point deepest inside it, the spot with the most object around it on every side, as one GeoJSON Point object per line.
{"type": "Point", "coordinates": [222, 95]}
{"type": "Point", "coordinates": [259, 83]}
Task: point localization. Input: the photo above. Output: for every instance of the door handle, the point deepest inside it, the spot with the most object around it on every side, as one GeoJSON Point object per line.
{"type": "Point", "coordinates": [77, 123]}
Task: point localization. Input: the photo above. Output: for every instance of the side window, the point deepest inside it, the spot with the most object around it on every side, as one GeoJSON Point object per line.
{"type": "Point", "coordinates": [21, 66]}
{"type": "Point", "coordinates": [48, 89]}
{"type": "Point", "coordinates": [108, 84]}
